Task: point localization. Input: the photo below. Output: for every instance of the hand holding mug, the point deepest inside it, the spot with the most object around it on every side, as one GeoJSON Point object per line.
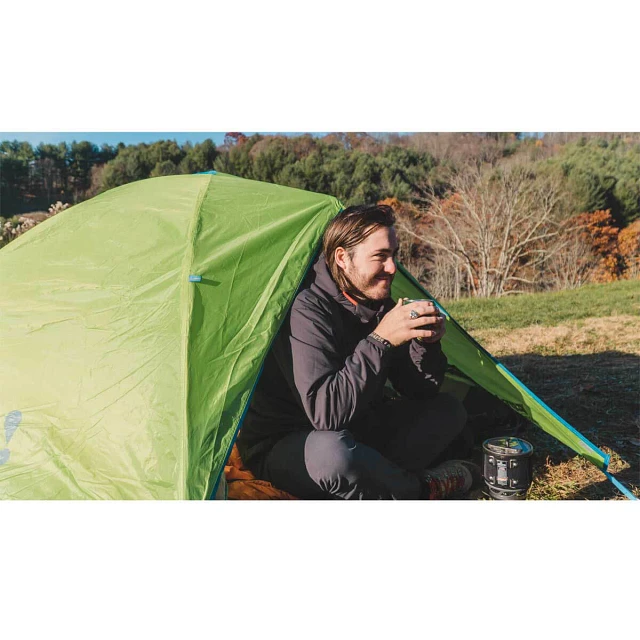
{"type": "Point", "coordinates": [412, 319]}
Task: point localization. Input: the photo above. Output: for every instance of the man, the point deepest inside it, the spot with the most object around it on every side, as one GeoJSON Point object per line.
{"type": "Point", "coordinates": [319, 425]}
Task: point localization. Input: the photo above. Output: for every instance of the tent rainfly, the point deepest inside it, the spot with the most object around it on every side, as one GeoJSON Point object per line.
{"type": "Point", "coordinates": [133, 327]}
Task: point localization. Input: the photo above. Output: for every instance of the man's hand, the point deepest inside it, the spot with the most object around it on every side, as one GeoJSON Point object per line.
{"type": "Point", "coordinates": [399, 327]}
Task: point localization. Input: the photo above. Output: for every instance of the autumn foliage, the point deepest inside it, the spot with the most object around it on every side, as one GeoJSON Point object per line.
{"type": "Point", "coordinates": [629, 248]}
{"type": "Point", "coordinates": [617, 251]}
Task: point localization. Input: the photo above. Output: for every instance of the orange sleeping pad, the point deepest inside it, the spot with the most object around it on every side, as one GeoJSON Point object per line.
{"type": "Point", "coordinates": [243, 485]}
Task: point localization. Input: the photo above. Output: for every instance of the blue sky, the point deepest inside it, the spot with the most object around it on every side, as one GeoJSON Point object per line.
{"type": "Point", "coordinates": [130, 137]}
{"type": "Point", "coordinates": [113, 137]}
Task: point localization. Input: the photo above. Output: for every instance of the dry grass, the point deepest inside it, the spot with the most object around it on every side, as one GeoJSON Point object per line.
{"type": "Point", "coordinates": [588, 371]}
{"type": "Point", "coordinates": [588, 336]}
{"type": "Point", "coordinates": [579, 479]}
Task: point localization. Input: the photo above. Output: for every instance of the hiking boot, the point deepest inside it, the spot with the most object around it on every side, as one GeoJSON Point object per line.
{"type": "Point", "coordinates": [451, 479]}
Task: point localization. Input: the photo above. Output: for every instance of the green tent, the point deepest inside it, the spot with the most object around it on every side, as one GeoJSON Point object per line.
{"type": "Point", "coordinates": [133, 328]}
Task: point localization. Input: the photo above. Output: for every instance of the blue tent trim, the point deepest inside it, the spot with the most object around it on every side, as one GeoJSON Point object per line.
{"type": "Point", "coordinates": [618, 485]}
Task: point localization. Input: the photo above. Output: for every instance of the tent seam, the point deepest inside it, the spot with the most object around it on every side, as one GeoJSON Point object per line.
{"type": "Point", "coordinates": [187, 297]}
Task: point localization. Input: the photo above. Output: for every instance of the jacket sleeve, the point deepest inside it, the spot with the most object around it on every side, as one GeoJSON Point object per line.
{"type": "Point", "coordinates": [417, 370]}
{"type": "Point", "coordinates": [333, 391]}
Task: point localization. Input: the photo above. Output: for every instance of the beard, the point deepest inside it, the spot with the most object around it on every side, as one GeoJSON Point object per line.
{"type": "Point", "coordinates": [369, 287]}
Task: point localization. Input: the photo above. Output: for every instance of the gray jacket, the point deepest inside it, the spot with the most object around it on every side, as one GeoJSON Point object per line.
{"type": "Point", "coordinates": [325, 372]}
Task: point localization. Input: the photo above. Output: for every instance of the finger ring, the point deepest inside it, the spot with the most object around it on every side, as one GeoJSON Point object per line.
{"type": "Point", "coordinates": [414, 314]}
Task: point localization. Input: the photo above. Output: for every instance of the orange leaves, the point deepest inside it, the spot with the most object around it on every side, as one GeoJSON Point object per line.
{"type": "Point", "coordinates": [618, 250]}
{"type": "Point", "coordinates": [233, 138]}
{"type": "Point", "coordinates": [394, 203]}
{"type": "Point", "coordinates": [629, 248]}
{"type": "Point", "coordinates": [599, 229]}
{"type": "Point", "coordinates": [629, 240]}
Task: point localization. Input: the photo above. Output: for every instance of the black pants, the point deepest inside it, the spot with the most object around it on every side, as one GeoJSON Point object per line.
{"type": "Point", "coordinates": [380, 460]}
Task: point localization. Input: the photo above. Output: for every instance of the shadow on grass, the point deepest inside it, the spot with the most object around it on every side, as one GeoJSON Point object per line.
{"type": "Point", "coordinates": [599, 395]}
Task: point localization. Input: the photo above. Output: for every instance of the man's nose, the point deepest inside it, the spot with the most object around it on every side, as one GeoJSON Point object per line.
{"type": "Point", "coordinates": [390, 266]}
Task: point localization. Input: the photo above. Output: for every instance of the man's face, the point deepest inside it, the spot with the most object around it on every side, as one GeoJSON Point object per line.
{"type": "Point", "coordinates": [371, 267]}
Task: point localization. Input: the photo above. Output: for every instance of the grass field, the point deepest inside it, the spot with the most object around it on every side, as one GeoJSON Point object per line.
{"type": "Point", "coordinates": [547, 309]}
{"type": "Point", "coordinates": [579, 351]}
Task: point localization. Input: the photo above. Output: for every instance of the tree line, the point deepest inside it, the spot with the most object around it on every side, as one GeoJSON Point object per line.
{"type": "Point", "coordinates": [31, 179]}
{"type": "Point", "coordinates": [478, 214]}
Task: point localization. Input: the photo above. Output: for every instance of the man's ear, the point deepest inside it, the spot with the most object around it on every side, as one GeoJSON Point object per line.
{"type": "Point", "coordinates": [341, 257]}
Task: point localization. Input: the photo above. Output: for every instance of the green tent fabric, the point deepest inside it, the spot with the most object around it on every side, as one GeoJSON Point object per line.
{"type": "Point", "coordinates": [133, 328]}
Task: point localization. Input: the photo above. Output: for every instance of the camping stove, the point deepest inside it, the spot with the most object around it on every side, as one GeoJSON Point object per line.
{"type": "Point", "coordinates": [507, 467]}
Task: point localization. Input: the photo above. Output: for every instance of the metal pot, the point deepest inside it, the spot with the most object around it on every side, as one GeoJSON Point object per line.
{"type": "Point", "coordinates": [507, 467]}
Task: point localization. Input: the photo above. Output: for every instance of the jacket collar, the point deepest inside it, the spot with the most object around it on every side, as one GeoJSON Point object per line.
{"type": "Point", "coordinates": [364, 313]}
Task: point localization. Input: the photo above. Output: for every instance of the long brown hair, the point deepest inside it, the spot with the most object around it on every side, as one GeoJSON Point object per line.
{"type": "Point", "coordinates": [348, 229]}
